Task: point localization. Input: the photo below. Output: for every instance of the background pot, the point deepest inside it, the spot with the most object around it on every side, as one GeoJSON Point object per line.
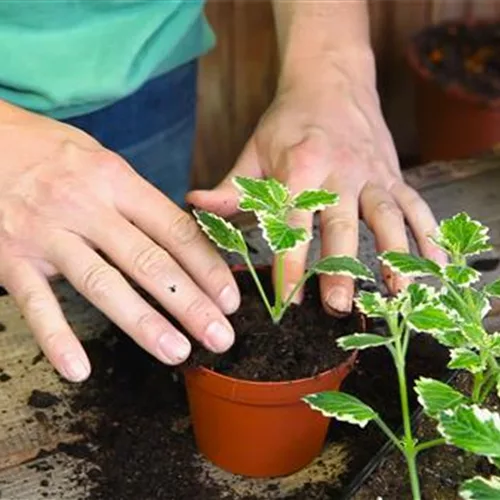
{"type": "Point", "coordinates": [451, 121]}
{"type": "Point", "coordinates": [259, 429]}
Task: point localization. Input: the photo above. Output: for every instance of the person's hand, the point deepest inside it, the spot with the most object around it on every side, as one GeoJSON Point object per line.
{"type": "Point", "coordinates": [325, 129]}
{"type": "Point", "coordinates": [69, 206]}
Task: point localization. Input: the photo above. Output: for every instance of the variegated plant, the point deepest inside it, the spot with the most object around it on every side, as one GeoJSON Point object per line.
{"type": "Point", "coordinates": [454, 315]}
{"type": "Point", "coordinates": [272, 204]}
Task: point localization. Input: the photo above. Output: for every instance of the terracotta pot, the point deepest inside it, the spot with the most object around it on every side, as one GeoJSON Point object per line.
{"type": "Point", "coordinates": [452, 122]}
{"type": "Point", "coordinates": [259, 429]}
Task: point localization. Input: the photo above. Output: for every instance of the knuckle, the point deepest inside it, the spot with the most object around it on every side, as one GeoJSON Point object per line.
{"type": "Point", "coordinates": [217, 272]}
{"type": "Point", "coordinates": [198, 307]}
{"type": "Point", "coordinates": [307, 155]}
{"type": "Point", "coordinates": [34, 303]}
{"type": "Point", "coordinates": [339, 224]}
{"type": "Point", "coordinates": [148, 325]}
{"type": "Point", "coordinates": [99, 280]}
{"type": "Point", "coordinates": [387, 208]}
{"type": "Point", "coordinates": [108, 160]}
{"type": "Point", "coordinates": [184, 229]}
{"type": "Point", "coordinates": [150, 262]}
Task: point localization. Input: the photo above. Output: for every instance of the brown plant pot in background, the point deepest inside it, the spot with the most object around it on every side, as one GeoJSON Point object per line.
{"type": "Point", "coordinates": [457, 112]}
{"type": "Point", "coordinates": [259, 429]}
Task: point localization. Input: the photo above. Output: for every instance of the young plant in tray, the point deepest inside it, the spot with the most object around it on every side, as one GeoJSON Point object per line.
{"type": "Point", "coordinates": [454, 315]}
{"type": "Point", "coordinates": [272, 203]}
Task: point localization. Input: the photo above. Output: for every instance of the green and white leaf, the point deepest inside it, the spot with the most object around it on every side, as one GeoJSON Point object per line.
{"type": "Point", "coordinates": [420, 294]}
{"type": "Point", "coordinates": [494, 344]}
{"type": "Point", "coordinates": [480, 488]}
{"type": "Point", "coordinates": [435, 396]}
{"type": "Point", "coordinates": [280, 236]}
{"type": "Point", "coordinates": [465, 359]}
{"type": "Point", "coordinates": [223, 233]}
{"type": "Point", "coordinates": [475, 334]}
{"type": "Point", "coordinates": [494, 461]}
{"type": "Point", "coordinates": [341, 406]}
{"type": "Point", "coordinates": [473, 429]}
{"type": "Point", "coordinates": [461, 275]}
{"type": "Point", "coordinates": [372, 304]}
{"type": "Point", "coordinates": [314, 200]}
{"type": "Point", "coordinates": [498, 385]}
{"type": "Point", "coordinates": [261, 195]}
{"type": "Point", "coordinates": [493, 289]}
{"type": "Point", "coordinates": [462, 236]}
{"type": "Point", "coordinates": [480, 300]}
{"type": "Point", "coordinates": [451, 338]}
{"type": "Point", "coordinates": [363, 341]}
{"type": "Point", "coordinates": [343, 265]}
{"type": "Point", "coordinates": [410, 265]}
{"type": "Point", "coordinates": [452, 303]}
{"type": "Point", "coordinates": [431, 319]}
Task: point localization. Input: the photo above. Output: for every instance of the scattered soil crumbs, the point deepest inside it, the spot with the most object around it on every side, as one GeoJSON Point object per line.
{"type": "Point", "coordinates": [465, 55]}
{"type": "Point", "coordinates": [301, 345]}
{"type": "Point", "coordinates": [4, 377]}
{"type": "Point", "coordinates": [138, 442]}
{"type": "Point", "coordinates": [41, 399]}
{"type": "Point", "coordinates": [138, 439]}
{"type": "Point", "coordinates": [442, 469]}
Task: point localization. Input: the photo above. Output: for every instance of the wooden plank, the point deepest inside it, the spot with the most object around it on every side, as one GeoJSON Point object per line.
{"type": "Point", "coordinates": [22, 436]}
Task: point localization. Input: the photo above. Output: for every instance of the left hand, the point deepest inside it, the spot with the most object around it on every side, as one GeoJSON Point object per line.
{"type": "Point", "coordinates": [328, 131]}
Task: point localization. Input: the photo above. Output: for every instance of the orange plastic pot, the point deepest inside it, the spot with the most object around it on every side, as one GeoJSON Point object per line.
{"type": "Point", "coordinates": [452, 122]}
{"type": "Point", "coordinates": [259, 429]}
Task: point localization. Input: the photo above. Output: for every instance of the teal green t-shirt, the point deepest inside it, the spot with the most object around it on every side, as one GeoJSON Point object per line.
{"type": "Point", "coordinates": [65, 58]}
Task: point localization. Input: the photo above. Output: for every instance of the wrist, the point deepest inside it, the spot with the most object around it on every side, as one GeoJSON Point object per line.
{"type": "Point", "coordinates": [354, 66]}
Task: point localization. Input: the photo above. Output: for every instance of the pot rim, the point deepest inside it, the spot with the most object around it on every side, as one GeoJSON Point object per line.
{"type": "Point", "coordinates": [348, 363]}
{"type": "Point", "coordinates": [456, 90]}
{"type": "Point", "coordinates": [251, 391]}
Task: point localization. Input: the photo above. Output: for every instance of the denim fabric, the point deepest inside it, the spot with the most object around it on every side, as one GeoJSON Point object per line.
{"type": "Point", "coordinates": [153, 129]}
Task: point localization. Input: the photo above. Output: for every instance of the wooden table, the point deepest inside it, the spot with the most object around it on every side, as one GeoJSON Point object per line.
{"type": "Point", "coordinates": [472, 186]}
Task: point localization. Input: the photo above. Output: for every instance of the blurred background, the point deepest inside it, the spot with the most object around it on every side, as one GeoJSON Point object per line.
{"type": "Point", "coordinates": [237, 79]}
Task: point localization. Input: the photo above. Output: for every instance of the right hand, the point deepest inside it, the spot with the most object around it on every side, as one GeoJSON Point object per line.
{"type": "Point", "coordinates": [63, 198]}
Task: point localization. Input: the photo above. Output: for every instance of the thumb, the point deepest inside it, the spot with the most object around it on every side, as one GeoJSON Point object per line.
{"type": "Point", "coordinates": [223, 199]}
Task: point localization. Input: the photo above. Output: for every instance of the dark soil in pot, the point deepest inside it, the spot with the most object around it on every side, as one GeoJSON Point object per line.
{"type": "Point", "coordinates": [467, 55]}
{"type": "Point", "coordinates": [302, 345]}
{"type": "Point", "coordinates": [442, 470]}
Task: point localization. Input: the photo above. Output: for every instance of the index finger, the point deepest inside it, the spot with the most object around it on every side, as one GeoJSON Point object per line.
{"type": "Point", "coordinates": [177, 231]}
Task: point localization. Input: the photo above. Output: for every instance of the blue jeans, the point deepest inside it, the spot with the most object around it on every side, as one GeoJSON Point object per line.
{"type": "Point", "coordinates": [153, 129]}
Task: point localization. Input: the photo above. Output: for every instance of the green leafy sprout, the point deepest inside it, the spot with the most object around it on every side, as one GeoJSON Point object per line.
{"type": "Point", "coordinates": [272, 204]}
{"type": "Point", "coordinates": [453, 313]}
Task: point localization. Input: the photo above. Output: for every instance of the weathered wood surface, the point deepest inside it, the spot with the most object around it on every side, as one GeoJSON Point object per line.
{"type": "Point", "coordinates": [470, 186]}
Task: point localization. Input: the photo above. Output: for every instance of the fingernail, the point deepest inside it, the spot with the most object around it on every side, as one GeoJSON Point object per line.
{"type": "Point", "coordinates": [229, 300]}
{"type": "Point", "coordinates": [297, 298]}
{"type": "Point", "coordinates": [75, 368]}
{"type": "Point", "coordinates": [173, 348]}
{"type": "Point", "coordinates": [218, 337]}
{"type": "Point", "coordinates": [339, 300]}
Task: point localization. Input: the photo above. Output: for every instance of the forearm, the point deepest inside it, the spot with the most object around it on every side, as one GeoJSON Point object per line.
{"type": "Point", "coordinates": [314, 33]}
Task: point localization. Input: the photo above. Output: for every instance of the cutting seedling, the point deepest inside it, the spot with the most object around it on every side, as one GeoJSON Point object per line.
{"type": "Point", "coordinates": [272, 204]}
{"type": "Point", "coordinates": [454, 315]}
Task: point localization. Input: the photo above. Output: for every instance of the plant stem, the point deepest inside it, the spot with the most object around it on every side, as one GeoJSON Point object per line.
{"type": "Point", "coordinates": [278, 294]}
{"type": "Point", "coordinates": [487, 386]}
{"type": "Point", "coordinates": [429, 444]}
{"type": "Point", "coordinates": [409, 442]}
{"type": "Point", "coordinates": [296, 288]}
{"type": "Point", "coordinates": [476, 389]}
{"type": "Point", "coordinates": [387, 431]}
{"type": "Point", "coordinates": [251, 268]}
{"type": "Point", "coordinates": [412, 470]}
